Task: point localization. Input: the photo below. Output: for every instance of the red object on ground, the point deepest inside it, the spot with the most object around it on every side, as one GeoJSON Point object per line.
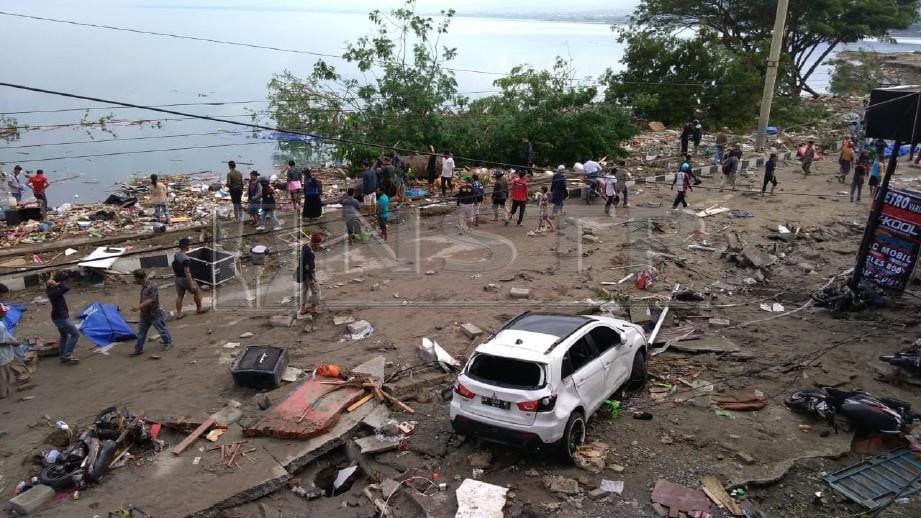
{"type": "Point", "coordinates": [154, 431]}
{"type": "Point", "coordinates": [310, 410]}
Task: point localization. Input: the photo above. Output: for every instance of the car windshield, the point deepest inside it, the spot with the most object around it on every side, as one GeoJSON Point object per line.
{"type": "Point", "coordinates": [506, 372]}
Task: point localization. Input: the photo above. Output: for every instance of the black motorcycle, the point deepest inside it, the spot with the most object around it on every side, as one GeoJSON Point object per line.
{"type": "Point", "coordinates": [909, 359]}
{"type": "Point", "coordinates": [864, 412]}
{"type": "Point", "coordinates": [82, 463]}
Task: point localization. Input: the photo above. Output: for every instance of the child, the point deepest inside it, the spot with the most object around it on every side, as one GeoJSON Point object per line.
{"type": "Point", "coordinates": [254, 197]}
{"type": "Point", "coordinates": [543, 214]}
{"type": "Point", "coordinates": [383, 211]}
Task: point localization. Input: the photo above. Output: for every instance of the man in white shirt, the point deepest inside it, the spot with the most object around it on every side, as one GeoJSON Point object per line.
{"type": "Point", "coordinates": [447, 173]}
{"type": "Point", "coordinates": [610, 191]}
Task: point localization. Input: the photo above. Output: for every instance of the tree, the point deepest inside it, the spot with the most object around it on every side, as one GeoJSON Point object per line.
{"type": "Point", "coordinates": [814, 28]}
{"type": "Point", "coordinates": [672, 80]}
{"type": "Point", "coordinates": [562, 119]}
{"type": "Point", "coordinates": [401, 106]}
{"type": "Point", "coordinates": [9, 129]}
{"type": "Point", "coordinates": [857, 73]}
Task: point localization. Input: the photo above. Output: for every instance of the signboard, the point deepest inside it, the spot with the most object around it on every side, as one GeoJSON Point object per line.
{"type": "Point", "coordinates": [895, 244]}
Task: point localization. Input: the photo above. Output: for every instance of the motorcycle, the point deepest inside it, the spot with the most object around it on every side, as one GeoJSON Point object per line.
{"type": "Point", "coordinates": [82, 463]}
{"type": "Point", "coordinates": [864, 412]}
{"type": "Point", "coordinates": [909, 359]}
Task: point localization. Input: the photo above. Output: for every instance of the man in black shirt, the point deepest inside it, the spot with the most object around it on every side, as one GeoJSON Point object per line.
{"type": "Point", "coordinates": [57, 287]}
{"type": "Point", "coordinates": [184, 282]}
{"type": "Point", "coordinates": [306, 276]}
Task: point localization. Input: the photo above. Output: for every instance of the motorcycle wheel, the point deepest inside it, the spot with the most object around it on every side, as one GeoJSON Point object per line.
{"type": "Point", "coordinates": [58, 477]}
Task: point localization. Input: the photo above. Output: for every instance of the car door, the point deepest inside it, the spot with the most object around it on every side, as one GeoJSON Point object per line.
{"type": "Point", "coordinates": [614, 356]}
{"type": "Point", "coordinates": [588, 376]}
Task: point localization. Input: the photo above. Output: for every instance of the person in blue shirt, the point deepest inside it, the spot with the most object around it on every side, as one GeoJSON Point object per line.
{"type": "Point", "coordinates": [383, 211]}
{"type": "Point", "coordinates": [875, 171]}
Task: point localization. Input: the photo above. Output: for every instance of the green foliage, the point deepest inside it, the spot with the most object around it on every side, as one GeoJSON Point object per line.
{"type": "Point", "coordinates": [813, 29]}
{"type": "Point", "coordinates": [857, 73]}
{"type": "Point", "coordinates": [562, 120]}
{"type": "Point", "coordinates": [410, 101]}
{"type": "Point", "coordinates": [9, 129]}
{"type": "Point", "coordinates": [673, 80]}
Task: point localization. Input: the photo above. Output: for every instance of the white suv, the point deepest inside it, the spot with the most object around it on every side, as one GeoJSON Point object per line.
{"type": "Point", "coordinates": [538, 378]}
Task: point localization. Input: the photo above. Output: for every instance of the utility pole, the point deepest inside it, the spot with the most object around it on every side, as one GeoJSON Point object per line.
{"type": "Point", "coordinates": [770, 76]}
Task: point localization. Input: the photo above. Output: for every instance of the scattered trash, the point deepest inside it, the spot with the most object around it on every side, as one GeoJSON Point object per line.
{"type": "Point", "coordinates": [215, 434]}
{"type": "Point", "coordinates": [783, 229]}
{"type": "Point", "coordinates": [612, 486]}
{"type": "Point", "coordinates": [613, 406]}
{"type": "Point", "coordinates": [724, 413]}
{"type": "Point", "coordinates": [642, 416]}
{"type": "Point", "coordinates": [773, 308]}
{"type": "Point", "coordinates": [559, 484]}
{"type": "Point", "coordinates": [714, 490]}
{"type": "Point", "coordinates": [358, 330]}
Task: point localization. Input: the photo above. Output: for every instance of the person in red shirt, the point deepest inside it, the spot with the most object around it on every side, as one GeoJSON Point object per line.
{"type": "Point", "coordinates": [39, 183]}
{"type": "Point", "coordinates": [519, 197]}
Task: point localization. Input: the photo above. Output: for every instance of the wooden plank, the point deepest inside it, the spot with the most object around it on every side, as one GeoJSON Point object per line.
{"type": "Point", "coordinates": [307, 412]}
{"type": "Point", "coordinates": [192, 437]}
{"type": "Point", "coordinates": [714, 489]}
{"type": "Point", "coordinates": [354, 406]}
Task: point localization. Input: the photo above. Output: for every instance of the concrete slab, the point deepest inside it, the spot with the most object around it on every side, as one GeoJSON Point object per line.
{"type": "Point", "coordinates": [373, 367]}
{"type": "Point", "coordinates": [713, 344]}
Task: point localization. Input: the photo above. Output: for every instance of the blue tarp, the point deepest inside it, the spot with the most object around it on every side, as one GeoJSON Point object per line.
{"type": "Point", "coordinates": [902, 150]}
{"type": "Point", "coordinates": [12, 317]}
{"type": "Point", "coordinates": [104, 325]}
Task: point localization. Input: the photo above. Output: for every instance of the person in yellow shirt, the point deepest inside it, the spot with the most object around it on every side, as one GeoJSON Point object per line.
{"type": "Point", "coordinates": [846, 159]}
{"type": "Point", "coordinates": [159, 198]}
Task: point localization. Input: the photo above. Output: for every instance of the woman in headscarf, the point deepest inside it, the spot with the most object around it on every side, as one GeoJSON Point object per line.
{"type": "Point", "coordinates": [313, 189]}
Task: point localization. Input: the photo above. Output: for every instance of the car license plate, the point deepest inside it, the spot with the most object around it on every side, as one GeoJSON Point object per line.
{"type": "Point", "coordinates": [498, 403]}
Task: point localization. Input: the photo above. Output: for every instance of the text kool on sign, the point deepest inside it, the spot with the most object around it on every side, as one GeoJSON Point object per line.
{"type": "Point", "coordinates": [894, 249]}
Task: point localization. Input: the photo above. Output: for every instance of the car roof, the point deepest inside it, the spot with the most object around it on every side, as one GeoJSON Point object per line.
{"type": "Point", "coordinates": [532, 336]}
{"type": "Point", "coordinates": [551, 324]}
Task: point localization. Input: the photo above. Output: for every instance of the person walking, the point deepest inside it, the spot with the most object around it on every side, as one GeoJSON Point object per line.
{"type": "Point", "coordinates": [447, 174]}
{"type": "Point", "coordinates": [623, 176]}
{"type": "Point", "coordinates": [875, 171]}
{"type": "Point", "coordinates": [610, 191]}
{"type": "Point", "coordinates": [431, 168]}
{"type": "Point", "coordinates": [254, 197]}
{"type": "Point", "coordinates": [685, 138]}
{"type": "Point", "coordinates": [543, 210]}
{"type": "Point", "coordinates": [369, 187]}
{"type": "Point", "coordinates": [159, 197]}
{"type": "Point", "coordinates": [558, 191]}
{"type": "Point", "coordinates": [294, 185]}
{"type": "Point", "coordinates": [808, 157]}
{"type": "Point", "coordinates": [306, 276]}
{"type": "Point", "coordinates": [697, 133]}
{"type": "Point", "coordinates": [383, 212]}
{"type": "Point", "coordinates": [313, 191]}
{"type": "Point", "coordinates": [15, 184]}
{"type": "Point", "coordinates": [525, 153]}
{"type": "Point", "coordinates": [499, 195]}
{"type": "Point", "coordinates": [722, 139]}
{"type": "Point", "coordinates": [479, 191]}
{"type": "Point", "coordinates": [770, 174]}
{"type": "Point", "coordinates": [683, 183]}
{"type": "Point", "coordinates": [519, 198]}
{"type": "Point", "coordinates": [60, 316]}
{"type": "Point", "coordinates": [466, 201]}
{"type": "Point", "coordinates": [268, 205]}
{"type": "Point", "coordinates": [845, 160]}
{"type": "Point", "coordinates": [182, 271]}
{"type": "Point", "coordinates": [880, 147]}
{"type": "Point", "coordinates": [860, 173]}
{"type": "Point", "coordinates": [39, 183]}
{"type": "Point", "coordinates": [351, 213]}
{"type": "Point", "coordinates": [149, 313]}
{"type": "Point", "coordinates": [730, 169]}
{"type": "Point", "coordinates": [235, 187]}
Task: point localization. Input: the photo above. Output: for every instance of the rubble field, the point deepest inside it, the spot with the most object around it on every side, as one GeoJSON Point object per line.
{"type": "Point", "coordinates": [757, 338]}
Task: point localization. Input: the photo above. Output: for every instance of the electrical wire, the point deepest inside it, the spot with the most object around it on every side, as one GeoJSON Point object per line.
{"type": "Point", "coordinates": [143, 151]}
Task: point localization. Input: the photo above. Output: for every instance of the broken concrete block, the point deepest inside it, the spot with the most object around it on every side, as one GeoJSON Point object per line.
{"type": "Point", "coordinates": [359, 327]}
{"type": "Point", "coordinates": [343, 319]}
{"type": "Point", "coordinates": [492, 288]}
{"type": "Point", "coordinates": [596, 494]}
{"type": "Point", "coordinates": [519, 293]}
{"type": "Point", "coordinates": [656, 126]}
{"type": "Point", "coordinates": [588, 238]}
{"type": "Point", "coordinates": [31, 500]}
{"type": "Point", "coordinates": [471, 331]}
{"type": "Point", "coordinates": [281, 320]}
{"type": "Point", "coordinates": [480, 459]}
{"type": "Point", "coordinates": [372, 444]}
{"type": "Point", "coordinates": [758, 258]}
{"type": "Point", "coordinates": [246, 335]}
{"type": "Point", "coordinates": [557, 484]}
{"type": "Point", "coordinates": [477, 499]}
{"type": "Point", "coordinates": [744, 457]}
{"type": "Point", "coordinates": [640, 314]}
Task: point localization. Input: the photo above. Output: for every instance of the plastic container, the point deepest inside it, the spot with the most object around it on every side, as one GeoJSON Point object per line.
{"type": "Point", "coordinates": [257, 254]}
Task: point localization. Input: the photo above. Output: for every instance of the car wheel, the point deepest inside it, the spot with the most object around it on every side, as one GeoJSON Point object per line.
{"type": "Point", "coordinates": [573, 435]}
{"type": "Point", "coordinates": [638, 372]}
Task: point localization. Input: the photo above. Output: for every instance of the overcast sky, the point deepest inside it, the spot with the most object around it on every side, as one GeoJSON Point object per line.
{"type": "Point", "coordinates": [461, 6]}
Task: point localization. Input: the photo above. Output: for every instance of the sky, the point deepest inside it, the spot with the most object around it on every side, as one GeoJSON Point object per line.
{"type": "Point", "coordinates": [616, 7]}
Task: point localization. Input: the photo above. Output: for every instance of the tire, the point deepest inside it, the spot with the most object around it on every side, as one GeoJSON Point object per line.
{"type": "Point", "coordinates": [637, 372]}
{"type": "Point", "coordinates": [57, 477]}
{"type": "Point", "coordinates": [573, 435]}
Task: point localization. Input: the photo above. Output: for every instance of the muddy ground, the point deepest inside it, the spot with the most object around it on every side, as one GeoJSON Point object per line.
{"type": "Point", "coordinates": [443, 286]}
